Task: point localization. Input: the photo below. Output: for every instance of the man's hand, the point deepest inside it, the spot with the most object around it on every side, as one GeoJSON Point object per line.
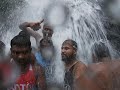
{"type": "Point", "coordinates": [36, 26]}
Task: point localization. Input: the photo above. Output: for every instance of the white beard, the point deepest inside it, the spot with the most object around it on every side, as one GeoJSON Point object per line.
{"type": "Point", "coordinates": [47, 54]}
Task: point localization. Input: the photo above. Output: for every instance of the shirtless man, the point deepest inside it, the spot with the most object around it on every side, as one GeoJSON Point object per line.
{"type": "Point", "coordinates": [73, 68]}
{"type": "Point", "coordinates": [102, 75]}
{"type": "Point", "coordinates": [106, 71]}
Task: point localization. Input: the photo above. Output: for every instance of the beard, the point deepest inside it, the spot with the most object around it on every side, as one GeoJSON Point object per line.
{"type": "Point", "coordinates": [67, 59]}
{"type": "Point", "coordinates": [47, 54]}
{"type": "Point", "coordinates": [23, 62]}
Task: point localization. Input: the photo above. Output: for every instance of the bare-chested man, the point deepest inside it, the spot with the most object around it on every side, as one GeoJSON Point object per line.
{"type": "Point", "coordinates": [73, 67]}
{"type": "Point", "coordinates": [103, 75]}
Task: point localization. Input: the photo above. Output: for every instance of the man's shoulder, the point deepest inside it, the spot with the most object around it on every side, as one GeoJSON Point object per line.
{"type": "Point", "coordinates": [38, 69]}
{"type": "Point", "coordinates": [37, 66]}
{"type": "Point", "coordinates": [98, 67]}
{"type": "Point", "coordinates": [79, 69]}
{"type": "Point", "coordinates": [105, 66]}
{"type": "Point", "coordinates": [80, 64]}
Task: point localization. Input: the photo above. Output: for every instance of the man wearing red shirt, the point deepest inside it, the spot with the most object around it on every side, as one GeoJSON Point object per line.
{"type": "Point", "coordinates": [31, 75]}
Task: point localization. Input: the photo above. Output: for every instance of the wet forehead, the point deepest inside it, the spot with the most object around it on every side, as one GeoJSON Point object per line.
{"type": "Point", "coordinates": [67, 45]}
{"type": "Point", "coordinates": [18, 48]}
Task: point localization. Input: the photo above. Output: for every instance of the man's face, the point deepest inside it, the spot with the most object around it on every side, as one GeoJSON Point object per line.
{"type": "Point", "coordinates": [47, 31]}
{"type": "Point", "coordinates": [67, 52]}
{"type": "Point", "coordinates": [44, 43]}
{"type": "Point", "coordinates": [21, 55]}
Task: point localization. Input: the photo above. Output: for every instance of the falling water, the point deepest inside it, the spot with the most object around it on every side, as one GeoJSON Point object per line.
{"type": "Point", "coordinates": [84, 25]}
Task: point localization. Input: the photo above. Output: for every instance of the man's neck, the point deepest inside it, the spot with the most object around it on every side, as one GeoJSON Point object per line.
{"type": "Point", "coordinates": [70, 63]}
{"type": "Point", "coordinates": [24, 68]}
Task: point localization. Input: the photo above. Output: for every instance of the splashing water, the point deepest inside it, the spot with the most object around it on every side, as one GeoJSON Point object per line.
{"type": "Point", "coordinates": [84, 26]}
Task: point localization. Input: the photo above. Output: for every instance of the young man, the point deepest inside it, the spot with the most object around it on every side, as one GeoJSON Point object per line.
{"type": "Point", "coordinates": [100, 68]}
{"type": "Point", "coordinates": [102, 75]}
{"type": "Point", "coordinates": [73, 68]}
{"type": "Point", "coordinates": [31, 75]}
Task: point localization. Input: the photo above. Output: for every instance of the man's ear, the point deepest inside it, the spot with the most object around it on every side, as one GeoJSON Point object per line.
{"type": "Point", "coordinates": [75, 52]}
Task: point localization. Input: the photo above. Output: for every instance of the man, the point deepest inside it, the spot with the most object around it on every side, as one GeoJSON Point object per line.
{"type": "Point", "coordinates": [31, 75]}
{"type": "Point", "coordinates": [105, 73]}
{"type": "Point", "coordinates": [45, 57]}
{"type": "Point", "coordinates": [98, 75]}
{"type": "Point", "coordinates": [46, 53]}
{"type": "Point", "coordinates": [101, 56]}
{"type": "Point", "coordinates": [73, 68]}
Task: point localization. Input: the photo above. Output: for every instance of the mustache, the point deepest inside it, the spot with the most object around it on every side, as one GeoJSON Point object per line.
{"type": "Point", "coordinates": [22, 61]}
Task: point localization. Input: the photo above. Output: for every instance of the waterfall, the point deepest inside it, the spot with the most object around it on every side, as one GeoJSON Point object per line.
{"type": "Point", "coordinates": [84, 25]}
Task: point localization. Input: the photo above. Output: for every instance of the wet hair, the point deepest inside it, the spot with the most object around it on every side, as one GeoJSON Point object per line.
{"type": "Point", "coordinates": [20, 41]}
{"type": "Point", "coordinates": [71, 42]}
{"type": "Point", "coordinates": [24, 34]}
{"type": "Point", "coordinates": [100, 50]}
{"type": "Point", "coordinates": [47, 25]}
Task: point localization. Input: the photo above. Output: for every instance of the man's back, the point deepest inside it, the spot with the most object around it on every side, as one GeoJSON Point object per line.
{"type": "Point", "coordinates": [106, 74]}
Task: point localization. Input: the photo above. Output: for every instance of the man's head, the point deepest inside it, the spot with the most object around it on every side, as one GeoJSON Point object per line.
{"type": "Point", "coordinates": [24, 34]}
{"type": "Point", "coordinates": [47, 31]}
{"type": "Point", "coordinates": [45, 43]}
{"type": "Point", "coordinates": [69, 50]}
{"type": "Point", "coordinates": [100, 51]}
{"type": "Point", "coordinates": [21, 50]}
{"type": "Point", "coordinates": [47, 49]}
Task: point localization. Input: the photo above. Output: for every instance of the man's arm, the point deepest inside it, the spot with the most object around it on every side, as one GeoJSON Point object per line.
{"type": "Point", "coordinates": [79, 70]}
{"type": "Point", "coordinates": [35, 34]}
{"type": "Point", "coordinates": [31, 28]}
{"type": "Point", "coordinates": [41, 81]}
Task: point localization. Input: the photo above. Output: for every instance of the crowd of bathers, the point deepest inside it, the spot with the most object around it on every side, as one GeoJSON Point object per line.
{"type": "Point", "coordinates": [36, 65]}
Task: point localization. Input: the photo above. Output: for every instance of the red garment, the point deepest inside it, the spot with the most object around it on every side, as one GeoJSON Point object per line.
{"type": "Point", "coordinates": [26, 81]}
